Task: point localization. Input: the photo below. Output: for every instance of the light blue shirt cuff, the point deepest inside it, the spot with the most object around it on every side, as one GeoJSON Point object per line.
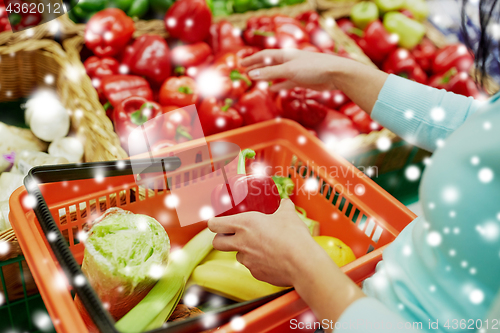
{"type": "Point", "coordinates": [420, 114]}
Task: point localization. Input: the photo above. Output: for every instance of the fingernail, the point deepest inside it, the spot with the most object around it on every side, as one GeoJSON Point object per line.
{"type": "Point", "coordinates": [254, 73]}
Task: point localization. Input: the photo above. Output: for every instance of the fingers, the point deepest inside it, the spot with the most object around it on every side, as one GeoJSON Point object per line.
{"type": "Point", "coordinates": [286, 205]}
{"type": "Point", "coordinates": [264, 58]}
{"type": "Point", "coordinates": [282, 86]}
{"type": "Point", "coordinates": [271, 73]}
{"type": "Point", "coordinates": [223, 242]}
{"type": "Point", "coordinates": [223, 225]}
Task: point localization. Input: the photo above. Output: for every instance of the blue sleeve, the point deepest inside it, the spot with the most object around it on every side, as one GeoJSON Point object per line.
{"type": "Point", "coordinates": [420, 114]}
{"type": "Point", "coordinates": [368, 315]}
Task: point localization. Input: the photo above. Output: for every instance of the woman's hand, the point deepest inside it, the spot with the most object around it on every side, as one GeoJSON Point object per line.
{"type": "Point", "coordinates": [273, 247]}
{"type": "Point", "coordinates": [299, 68]}
{"type": "Point", "coordinates": [318, 71]}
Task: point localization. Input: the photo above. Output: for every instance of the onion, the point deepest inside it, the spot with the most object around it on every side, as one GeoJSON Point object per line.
{"type": "Point", "coordinates": [68, 147]}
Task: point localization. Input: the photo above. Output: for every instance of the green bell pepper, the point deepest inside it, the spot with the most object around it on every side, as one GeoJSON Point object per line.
{"type": "Point", "coordinates": [418, 8]}
{"type": "Point", "coordinates": [241, 6]}
{"type": "Point", "coordinates": [222, 8]}
{"type": "Point", "coordinates": [120, 4]}
{"type": "Point", "coordinates": [364, 13]}
{"type": "Point", "coordinates": [291, 2]}
{"type": "Point", "coordinates": [92, 5]}
{"type": "Point", "coordinates": [138, 8]}
{"type": "Point", "coordinates": [256, 5]}
{"type": "Point", "coordinates": [410, 32]}
{"type": "Point", "coordinates": [390, 5]}
{"type": "Point", "coordinates": [160, 7]}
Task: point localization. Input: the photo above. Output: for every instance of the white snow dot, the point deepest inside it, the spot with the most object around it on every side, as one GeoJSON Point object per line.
{"type": "Point", "coordinates": [452, 253]}
{"type": "Point", "coordinates": [206, 212]}
{"type": "Point", "coordinates": [407, 250]}
{"type": "Point", "coordinates": [401, 306]}
{"type": "Point", "coordinates": [487, 125]}
{"type": "Point", "coordinates": [476, 296]}
{"type": "Point", "coordinates": [42, 321]}
{"type": "Point", "coordinates": [108, 35]}
{"type": "Point", "coordinates": [99, 178]}
{"type": "Point", "coordinates": [120, 164]}
{"type": "Point", "coordinates": [439, 143]}
{"type": "Point", "coordinates": [82, 236]}
{"type": "Point", "coordinates": [446, 230]}
{"type": "Point", "coordinates": [123, 69]}
{"type": "Point", "coordinates": [494, 30]}
{"type": "Point", "coordinates": [450, 194]}
{"type": "Point", "coordinates": [498, 216]}
{"type": "Point", "coordinates": [464, 264]}
{"type": "Point", "coordinates": [29, 201]}
{"type": "Point", "coordinates": [106, 305]}
{"type": "Point", "coordinates": [2, 298]}
{"type": "Point", "coordinates": [171, 22]}
{"type": "Point", "coordinates": [191, 299]}
{"type": "Point", "coordinates": [4, 249]}
{"type": "Point", "coordinates": [456, 230]}
{"type": "Point", "coordinates": [236, 32]}
{"type": "Point", "coordinates": [225, 199]}
{"type": "Point", "coordinates": [432, 288]}
{"type": "Point", "coordinates": [51, 236]}
{"type": "Point", "coordinates": [384, 143]}
{"type": "Point", "coordinates": [489, 231]}
{"type": "Point", "coordinates": [311, 185]}
{"type": "Point", "coordinates": [432, 205]}
{"type": "Point", "coordinates": [189, 22]}
{"type": "Point", "coordinates": [472, 271]}
{"type": "Point", "coordinates": [238, 324]}
{"type": "Point", "coordinates": [301, 139]}
{"type": "Point", "coordinates": [171, 201]}
{"type": "Point", "coordinates": [438, 114]}
{"type": "Point", "coordinates": [475, 160]}
{"type": "Point", "coordinates": [359, 189]}
{"type": "Point", "coordinates": [330, 22]}
{"type": "Point", "coordinates": [408, 114]}
{"type": "Point", "coordinates": [485, 175]}
{"type": "Point", "coordinates": [49, 79]}
{"type": "Point", "coordinates": [434, 238]}
{"type": "Point", "coordinates": [427, 161]}
{"type": "Point", "coordinates": [453, 214]}
{"type": "Point", "coordinates": [220, 122]}
{"type": "Point", "coordinates": [448, 268]}
{"type": "Point", "coordinates": [209, 320]}
{"type": "Point", "coordinates": [79, 280]}
{"type": "Point", "coordinates": [335, 216]}
{"type": "Point", "coordinates": [412, 173]}
{"type": "Point", "coordinates": [156, 271]}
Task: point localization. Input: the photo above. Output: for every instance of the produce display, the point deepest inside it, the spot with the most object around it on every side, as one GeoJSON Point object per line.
{"type": "Point", "coordinates": [391, 34]}
{"type": "Point", "coordinates": [142, 79]}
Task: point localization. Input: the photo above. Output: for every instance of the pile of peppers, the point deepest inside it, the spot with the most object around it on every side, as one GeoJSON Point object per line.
{"type": "Point", "coordinates": [14, 17]}
{"type": "Point", "coordinates": [390, 33]}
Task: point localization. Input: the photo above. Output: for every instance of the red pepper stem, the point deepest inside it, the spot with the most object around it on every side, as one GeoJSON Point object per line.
{"type": "Point", "coordinates": [235, 76]}
{"type": "Point", "coordinates": [107, 106]}
{"type": "Point", "coordinates": [263, 33]}
{"type": "Point", "coordinates": [180, 70]}
{"type": "Point", "coordinates": [227, 104]}
{"type": "Point", "coordinates": [182, 132]}
{"type": "Point", "coordinates": [448, 75]}
{"type": "Point", "coordinates": [246, 153]}
{"type": "Point", "coordinates": [185, 90]}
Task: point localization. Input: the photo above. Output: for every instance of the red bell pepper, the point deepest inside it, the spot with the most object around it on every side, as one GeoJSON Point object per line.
{"type": "Point", "coordinates": [308, 47]}
{"type": "Point", "coordinates": [278, 31]}
{"type": "Point", "coordinates": [455, 55]}
{"type": "Point", "coordinates": [189, 56]}
{"type": "Point", "coordinates": [321, 39]}
{"type": "Point", "coordinates": [463, 84]}
{"type": "Point", "coordinates": [97, 68]}
{"type": "Point", "coordinates": [303, 105]}
{"type": "Point", "coordinates": [116, 88]}
{"type": "Point", "coordinates": [256, 106]}
{"type": "Point", "coordinates": [360, 118]}
{"type": "Point", "coordinates": [108, 32]}
{"type": "Point", "coordinates": [379, 43]}
{"type": "Point", "coordinates": [424, 54]}
{"type": "Point", "coordinates": [189, 20]}
{"type": "Point", "coordinates": [176, 124]}
{"type": "Point", "coordinates": [310, 20]}
{"type": "Point", "coordinates": [335, 127]}
{"type": "Point", "coordinates": [4, 19]}
{"type": "Point", "coordinates": [179, 91]}
{"type": "Point", "coordinates": [132, 113]}
{"type": "Point", "coordinates": [350, 29]}
{"type": "Point", "coordinates": [233, 58]}
{"type": "Point", "coordinates": [334, 99]}
{"type": "Point", "coordinates": [235, 81]}
{"type": "Point", "coordinates": [224, 37]}
{"type": "Point", "coordinates": [442, 81]}
{"type": "Point", "coordinates": [247, 192]}
{"type": "Point", "coordinates": [218, 116]}
{"type": "Point", "coordinates": [148, 56]}
{"type": "Point", "coordinates": [402, 63]}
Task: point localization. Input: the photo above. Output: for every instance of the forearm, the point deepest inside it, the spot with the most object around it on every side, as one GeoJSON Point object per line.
{"type": "Point", "coordinates": [323, 286]}
{"type": "Point", "coordinates": [361, 83]}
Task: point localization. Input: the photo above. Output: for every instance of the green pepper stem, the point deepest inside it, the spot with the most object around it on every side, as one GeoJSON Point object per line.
{"type": "Point", "coordinates": [246, 153]}
{"type": "Point", "coordinates": [107, 106]}
{"type": "Point", "coordinates": [185, 90]}
{"type": "Point", "coordinates": [235, 75]}
{"type": "Point", "coordinates": [180, 70]}
{"type": "Point", "coordinates": [263, 33]}
{"type": "Point", "coordinates": [448, 75]}
{"type": "Point", "coordinates": [227, 104]}
{"type": "Point", "coordinates": [182, 132]}
{"type": "Point", "coordinates": [138, 117]}
{"type": "Point", "coordinates": [301, 210]}
{"type": "Point", "coordinates": [285, 186]}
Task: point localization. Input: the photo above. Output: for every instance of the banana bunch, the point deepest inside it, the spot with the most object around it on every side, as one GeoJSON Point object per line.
{"type": "Point", "coordinates": [220, 273]}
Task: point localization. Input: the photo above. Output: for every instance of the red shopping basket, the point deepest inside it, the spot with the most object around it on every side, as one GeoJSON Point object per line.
{"type": "Point", "coordinates": [347, 204]}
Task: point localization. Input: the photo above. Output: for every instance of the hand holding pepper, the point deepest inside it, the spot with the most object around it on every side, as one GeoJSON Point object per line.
{"type": "Point", "coordinates": [247, 192]}
{"type": "Point", "coordinates": [148, 56]}
{"type": "Point", "coordinates": [108, 32]}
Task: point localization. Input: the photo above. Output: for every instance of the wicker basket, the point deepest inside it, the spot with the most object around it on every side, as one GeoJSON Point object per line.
{"type": "Point", "coordinates": [342, 7]}
{"type": "Point", "coordinates": [59, 28]}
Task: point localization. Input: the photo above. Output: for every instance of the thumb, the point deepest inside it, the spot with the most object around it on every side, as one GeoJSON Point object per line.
{"type": "Point", "coordinates": [286, 205]}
